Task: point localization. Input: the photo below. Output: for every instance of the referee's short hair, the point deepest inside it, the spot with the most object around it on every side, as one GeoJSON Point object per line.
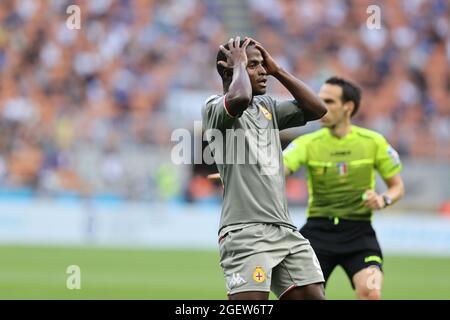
{"type": "Point", "coordinates": [350, 91]}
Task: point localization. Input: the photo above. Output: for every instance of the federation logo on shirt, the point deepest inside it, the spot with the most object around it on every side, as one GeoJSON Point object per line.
{"type": "Point", "coordinates": [341, 168]}
{"type": "Point", "coordinates": [259, 275]}
{"type": "Point", "coordinates": [266, 113]}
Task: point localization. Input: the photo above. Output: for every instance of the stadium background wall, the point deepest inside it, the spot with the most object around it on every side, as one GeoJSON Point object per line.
{"type": "Point", "coordinates": [125, 224]}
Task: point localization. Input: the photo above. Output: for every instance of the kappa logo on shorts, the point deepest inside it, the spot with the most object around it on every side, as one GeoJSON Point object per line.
{"type": "Point", "coordinates": [236, 280]}
{"type": "Point", "coordinates": [259, 275]}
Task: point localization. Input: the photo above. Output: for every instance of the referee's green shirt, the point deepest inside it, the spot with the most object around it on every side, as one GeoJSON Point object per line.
{"type": "Point", "coordinates": [339, 170]}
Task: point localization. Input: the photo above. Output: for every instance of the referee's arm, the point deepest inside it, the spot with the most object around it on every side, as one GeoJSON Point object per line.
{"type": "Point", "coordinates": [294, 156]}
{"type": "Point", "coordinates": [396, 188]}
{"type": "Point", "coordinates": [395, 191]}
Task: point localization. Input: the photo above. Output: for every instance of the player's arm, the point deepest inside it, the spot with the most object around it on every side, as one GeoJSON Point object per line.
{"type": "Point", "coordinates": [395, 192]}
{"type": "Point", "coordinates": [308, 101]}
{"type": "Point", "coordinates": [239, 93]}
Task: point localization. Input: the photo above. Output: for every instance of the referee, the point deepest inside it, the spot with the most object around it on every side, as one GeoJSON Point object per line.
{"type": "Point", "coordinates": [340, 160]}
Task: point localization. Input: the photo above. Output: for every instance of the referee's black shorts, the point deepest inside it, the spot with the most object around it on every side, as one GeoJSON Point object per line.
{"type": "Point", "coordinates": [350, 244]}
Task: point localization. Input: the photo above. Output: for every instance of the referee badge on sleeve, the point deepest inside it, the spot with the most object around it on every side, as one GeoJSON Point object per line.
{"type": "Point", "coordinates": [393, 155]}
{"type": "Point", "coordinates": [289, 148]}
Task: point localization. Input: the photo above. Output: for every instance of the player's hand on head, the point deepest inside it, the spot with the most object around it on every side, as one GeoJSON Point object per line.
{"type": "Point", "coordinates": [235, 53]}
{"type": "Point", "coordinates": [271, 66]}
{"type": "Point", "coordinates": [373, 200]}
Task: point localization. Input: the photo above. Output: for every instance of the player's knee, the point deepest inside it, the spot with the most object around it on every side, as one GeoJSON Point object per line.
{"type": "Point", "coordinates": [374, 295]}
{"type": "Point", "coordinates": [368, 283]}
{"type": "Point", "coordinates": [367, 294]}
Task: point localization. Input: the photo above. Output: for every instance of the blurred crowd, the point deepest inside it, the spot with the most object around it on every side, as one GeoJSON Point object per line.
{"type": "Point", "coordinates": [100, 87]}
{"type": "Point", "coordinates": [104, 87]}
{"type": "Point", "coordinates": [403, 67]}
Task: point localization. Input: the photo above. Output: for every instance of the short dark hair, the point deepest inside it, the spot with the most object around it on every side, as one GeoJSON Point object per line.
{"type": "Point", "coordinates": [350, 91]}
{"type": "Point", "coordinates": [222, 57]}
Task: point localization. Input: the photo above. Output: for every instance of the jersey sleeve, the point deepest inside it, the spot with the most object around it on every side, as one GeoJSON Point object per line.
{"type": "Point", "coordinates": [288, 114]}
{"type": "Point", "coordinates": [387, 159]}
{"type": "Point", "coordinates": [215, 114]}
{"type": "Point", "coordinates": [294, 156]}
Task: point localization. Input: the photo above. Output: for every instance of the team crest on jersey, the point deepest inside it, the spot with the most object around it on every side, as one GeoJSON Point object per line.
{"type": "Point", "coordinates": [341, 168]}
{"type": "Point", "coordinates": [259, 275]}
{"type": "Point", "coordinates": [266, 113]}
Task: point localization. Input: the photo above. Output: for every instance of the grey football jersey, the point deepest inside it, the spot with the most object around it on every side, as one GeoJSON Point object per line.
{"type": "Point", "coordinates": [247, 152]}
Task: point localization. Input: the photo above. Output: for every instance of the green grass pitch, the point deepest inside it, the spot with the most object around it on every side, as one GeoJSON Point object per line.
{"type": "Point", "coordinates": [40, 273]}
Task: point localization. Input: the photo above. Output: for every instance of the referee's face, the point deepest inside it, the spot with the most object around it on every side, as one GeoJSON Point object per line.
{"type": "Point", "coordinates": [331, 95]}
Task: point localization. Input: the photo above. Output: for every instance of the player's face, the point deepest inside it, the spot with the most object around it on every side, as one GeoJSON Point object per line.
{"type": "Point", "coordinates": [331, 96]}
{"type": "Point", "coordinates": [256, 71]}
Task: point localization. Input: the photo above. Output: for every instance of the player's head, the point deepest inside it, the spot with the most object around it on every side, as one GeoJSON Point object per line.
{"type": "Point", "coordinates": [342, 98]}
{"type": "Point", "coordinates": [255, 69]}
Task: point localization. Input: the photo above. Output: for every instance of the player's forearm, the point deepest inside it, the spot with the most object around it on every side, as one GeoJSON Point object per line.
{"type": "Point", "coordinates": [310, 102]}
{"type": "Point", "coordinates": [239, 93]}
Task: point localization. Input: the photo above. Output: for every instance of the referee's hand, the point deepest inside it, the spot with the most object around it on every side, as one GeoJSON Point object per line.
{"type": "Point", "coordinates": [373, 200]}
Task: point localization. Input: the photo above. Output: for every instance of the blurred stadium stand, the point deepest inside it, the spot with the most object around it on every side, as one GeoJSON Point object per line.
{"type": "Point", "coordinates": [89, 113]}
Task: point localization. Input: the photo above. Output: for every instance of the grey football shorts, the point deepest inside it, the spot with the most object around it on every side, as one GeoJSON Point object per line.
{"type": "Point", "coordinates": [267, 257]}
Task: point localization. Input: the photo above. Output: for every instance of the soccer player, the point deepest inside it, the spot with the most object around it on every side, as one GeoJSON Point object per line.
{"type": "Point", "coordinates": [260, 248]}
{"type": "Point", "coordinates": [340, 161]}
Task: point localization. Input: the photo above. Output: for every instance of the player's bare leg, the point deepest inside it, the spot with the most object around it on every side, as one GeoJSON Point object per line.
{"type": "Point", "coordinates": [313, 291]}
{"type": "Point", "coordinates": [368, 283]}
{"type": "Point", "coordinates": [250, 295]}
